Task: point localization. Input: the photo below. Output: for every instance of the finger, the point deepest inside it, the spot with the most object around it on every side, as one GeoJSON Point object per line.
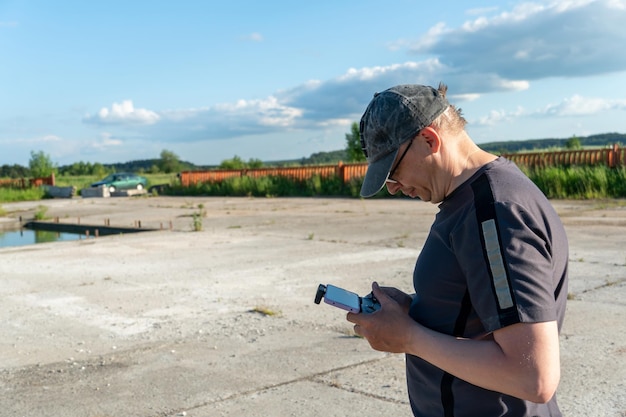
{"type": "Point", "coordinates": [352, 317]}
{"type": "Point", "coordinates": [379, 293]}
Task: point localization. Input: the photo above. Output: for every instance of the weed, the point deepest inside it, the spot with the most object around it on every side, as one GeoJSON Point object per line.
{"type": "Point", "coordinates": [196, 222]}
{"type": "Point", "coordinates": [202, 210]}
{"type": "Point", "coordinates": [311, 236]}
{"type": "Point", "coordinates": [266, 311]}
{"type": "Point", "coordinates": [40, 214]}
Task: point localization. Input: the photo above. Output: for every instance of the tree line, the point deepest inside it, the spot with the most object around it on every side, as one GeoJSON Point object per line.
{"type": "Point", "coordinates": [41, 165]}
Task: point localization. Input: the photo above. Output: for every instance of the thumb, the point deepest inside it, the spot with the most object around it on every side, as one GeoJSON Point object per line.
{"type": "Point", "coordinates": [380, 295]}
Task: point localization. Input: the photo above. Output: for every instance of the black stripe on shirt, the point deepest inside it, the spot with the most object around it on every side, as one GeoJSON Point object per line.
{"type": "Point", "coordinates": [447, 396]}
{"type": "Point", "coordinates": [493, 251]}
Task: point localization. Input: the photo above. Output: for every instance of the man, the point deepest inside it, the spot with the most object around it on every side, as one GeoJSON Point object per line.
{"type": "Point", "coordinates": [481, 332]}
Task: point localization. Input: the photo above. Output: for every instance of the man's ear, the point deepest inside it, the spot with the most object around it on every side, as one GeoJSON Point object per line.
{"type": "Point", "coordinates": [432, 138]}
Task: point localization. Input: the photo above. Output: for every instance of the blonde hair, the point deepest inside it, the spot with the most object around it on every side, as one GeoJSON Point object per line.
{"type": "Point", "coordinates": [451, 120]}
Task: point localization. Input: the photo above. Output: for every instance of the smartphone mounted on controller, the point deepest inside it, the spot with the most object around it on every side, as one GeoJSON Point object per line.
{"type": "Point", "coordinates": [346, 300]}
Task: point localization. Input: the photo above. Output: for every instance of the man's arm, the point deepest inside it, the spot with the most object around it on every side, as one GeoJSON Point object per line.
{"type": "Point", "coordinates": [521, 360]}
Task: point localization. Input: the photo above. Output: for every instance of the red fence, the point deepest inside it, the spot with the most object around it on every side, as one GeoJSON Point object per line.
{"type": "Point", "coordinates": [611, 157]}
{"type": "Point", "coordinates": [27, 182]}
{"type": "Point", "coordinates": [344, 171]}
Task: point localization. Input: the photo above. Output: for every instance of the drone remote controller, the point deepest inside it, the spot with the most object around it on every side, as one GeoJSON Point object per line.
{"type": "Point", "coordinates": [346, 300]}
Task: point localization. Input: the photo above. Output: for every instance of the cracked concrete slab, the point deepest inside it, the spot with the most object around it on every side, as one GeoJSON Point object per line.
{"type": "Point", "coordinates": [221, 322]}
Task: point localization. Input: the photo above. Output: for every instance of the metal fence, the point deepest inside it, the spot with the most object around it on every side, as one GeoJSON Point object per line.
{"type": "Point", "coordinates": [345, 172]}
{"type": "Point", "coordinates": [611, 157]}
{"type": "Point", "coordinates": [23, 183]}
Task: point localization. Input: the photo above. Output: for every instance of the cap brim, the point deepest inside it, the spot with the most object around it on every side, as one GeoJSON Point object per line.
{"type": "Point", "coordinates": [376, 175]}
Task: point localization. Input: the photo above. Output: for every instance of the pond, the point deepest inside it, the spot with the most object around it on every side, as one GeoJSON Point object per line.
{"type": "Point", "coordinates": [25, 237]}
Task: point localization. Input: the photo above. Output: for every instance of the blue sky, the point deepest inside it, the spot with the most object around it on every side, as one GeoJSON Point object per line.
{"type": "Point", "coordinates": [117, 81]}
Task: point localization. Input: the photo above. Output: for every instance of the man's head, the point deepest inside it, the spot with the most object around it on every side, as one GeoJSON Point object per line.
{"type": "Point", "coordinates": [393, 117]}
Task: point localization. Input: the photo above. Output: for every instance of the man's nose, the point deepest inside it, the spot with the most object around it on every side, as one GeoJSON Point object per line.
{"type": "Point", "coordinates": [393, 187]}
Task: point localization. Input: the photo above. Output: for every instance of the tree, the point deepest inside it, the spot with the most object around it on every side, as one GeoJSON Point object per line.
{"type": "Point", "coordinates": [41, 165]}
{"type": "Point", "coordinates": [254, 163]}
{"type": "Point", "coordinates": [99, 170]}
{"type": "Point", "coordinates": [170, 162]}
{"type": "Point", "coordinates": [573, 143]}
{"type": "Point", "coordinates": [235, 163]}
{"type": "Point", "coordinates": [353, 145]}
{"type": "Point", "coordinates": [13, 171]}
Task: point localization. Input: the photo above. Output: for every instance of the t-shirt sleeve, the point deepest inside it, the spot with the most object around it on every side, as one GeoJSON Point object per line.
{"type": "Point", "coordinates": [506, 258]}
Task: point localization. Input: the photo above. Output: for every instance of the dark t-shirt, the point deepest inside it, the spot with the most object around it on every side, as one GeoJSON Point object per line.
{"type": "Point", "coordinates": [496, 255]}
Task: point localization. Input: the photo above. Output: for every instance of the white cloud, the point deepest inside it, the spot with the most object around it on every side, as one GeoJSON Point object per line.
{"type": "Point", "coordinates": [106, 140]}
{"type": "Point", "coordinates": [268, 112]}
{"type": "Point", "coordinates": [499, 116]}
{"type": "Point", "coordinates": [51, 138]}
{"type": "Point", "coordinates": [312, 105]}
{"type": "Point", "coordinates": [581, 106]}
{"type": "Point", "coordinates": [123, 113]}
{"type": "Point", "coordinates": [575, 106]}
{"type": "Point", "coordinates": [430, 39]}
{"type": "Point", "coordinates": [500, 53]}
{"type": "Point", "coordinates": [481, 11]}
{"type": "Point", "coordinates": [33, 141]}
{"type": "Point", "coordinates": [535, 40]}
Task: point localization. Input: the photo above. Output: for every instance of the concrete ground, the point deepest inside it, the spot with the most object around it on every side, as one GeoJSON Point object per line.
{"type": "Point", "coordinates": [221, 322]}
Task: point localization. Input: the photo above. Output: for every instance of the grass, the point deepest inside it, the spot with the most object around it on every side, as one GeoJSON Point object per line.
{"type": "Point", "coordinates": [40, 214]}
{"type": "Point", "coordinates": [573, 182]}
{"type": "Point", "coordinates": [266, 311]}
{"type": "Point", "coordinates": [580, 182]}
{"type": "Point", "coordinates": [12, 195]}
{"type": "Point", "coordinates": [196, 222]}
{"type": "Point", "coordinates": [84, 181]}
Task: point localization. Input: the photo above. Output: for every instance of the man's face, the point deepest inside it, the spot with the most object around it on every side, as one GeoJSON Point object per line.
{"type": "Point", "coordinates": [414, 171]}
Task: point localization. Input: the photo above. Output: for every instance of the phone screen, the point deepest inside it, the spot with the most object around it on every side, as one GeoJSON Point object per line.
{"type": "Point", "coordinates": [341, 298]}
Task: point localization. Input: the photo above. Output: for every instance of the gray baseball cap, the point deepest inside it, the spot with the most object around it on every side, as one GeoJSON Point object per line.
{"type": "Point", "coordinates": [393, 117]}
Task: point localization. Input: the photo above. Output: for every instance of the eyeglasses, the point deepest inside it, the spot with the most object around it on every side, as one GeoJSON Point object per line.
{"type": "Point", "coordinates": [393, 170]}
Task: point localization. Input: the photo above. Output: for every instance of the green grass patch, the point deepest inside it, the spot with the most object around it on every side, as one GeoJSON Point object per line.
{"type": "Point", "coordinates": [580, 182]}
{"type": "Point", "coordinates": [84, 181]}
{"type": "Point", "coordinates": [40, 214]}
{"type": "Point", "coordinates": [266, 311]}
{"type": "Point", "coordinates": [12, 195]}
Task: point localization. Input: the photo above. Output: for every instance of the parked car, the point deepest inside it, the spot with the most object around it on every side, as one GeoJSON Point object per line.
{"type": "Point", "coordinates": [122, 181]}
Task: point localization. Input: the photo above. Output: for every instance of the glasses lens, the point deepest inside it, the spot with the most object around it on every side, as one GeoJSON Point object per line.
{"type": "Point", "coordinates": [395, 167]}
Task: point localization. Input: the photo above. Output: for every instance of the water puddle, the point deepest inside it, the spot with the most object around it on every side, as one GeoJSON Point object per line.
{"type": "Point", "coordinates": [26, 237]}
